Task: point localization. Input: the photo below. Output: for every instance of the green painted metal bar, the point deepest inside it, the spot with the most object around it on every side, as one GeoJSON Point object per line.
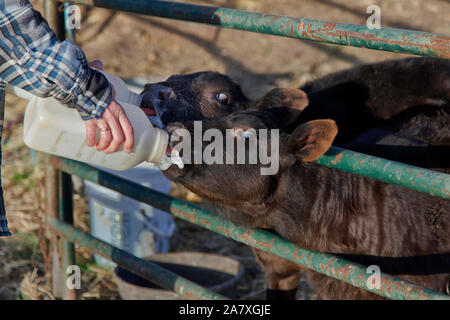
{"type": "Point", "coordinates": [62, 197]}
{"type": "Point", "coordinates": [330, 265]}
{"type": "Point", "coordinates": [55, 18]}
{"type": "Point", "coordinates": [423, 180]}
{"type": "Point", "coordinates": [52, 206]}
{"type": "Point", "coordinates": [386, 39]}
{"type": "Point", "coordinates": [65, 214]}
{"type": "Point", "coordinates": [145, 269]}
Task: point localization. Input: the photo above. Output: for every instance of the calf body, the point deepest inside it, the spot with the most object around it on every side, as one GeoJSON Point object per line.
{"type": "Point", "coordinates": [368, 222]}
{"type": "Point", "coordinates": [402, 231]}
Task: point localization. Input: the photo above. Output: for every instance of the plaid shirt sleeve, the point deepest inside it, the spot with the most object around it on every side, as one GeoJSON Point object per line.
{"type": "Point", "coordinates": [32, 58]}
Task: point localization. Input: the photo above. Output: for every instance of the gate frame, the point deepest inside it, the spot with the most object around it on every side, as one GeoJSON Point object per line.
{"type": "Point", "coordinates": [59, 170]}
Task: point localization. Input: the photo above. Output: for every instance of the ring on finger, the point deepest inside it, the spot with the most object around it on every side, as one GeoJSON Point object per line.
{"type": "Point", "coordinates": [104, 129]}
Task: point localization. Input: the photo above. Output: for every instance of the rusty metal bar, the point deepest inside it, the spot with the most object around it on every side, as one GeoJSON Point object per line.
{"type": "Point", "coordinates": [51, 192]}
{"type": "Point", "coordinates": [330, 265]}
{"type": "Point", "coordinates": [59, 188]}
{"type": "Point", "coordinates": [145, 269]}
{"type": "Point", "coordinates": [65, 214]}
{"type": "Point", "coordinates": [423, 180]}
{"type": "Point", "coordinates": [386, 39]}
{"type": "Point", "coordinates": [3, 222]}
{"type": "Point", "coordinates": [55, 18]}
{"type": "Point", "coordinates": [71, 33]}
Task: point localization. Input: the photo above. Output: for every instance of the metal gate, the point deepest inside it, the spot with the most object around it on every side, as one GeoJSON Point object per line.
{"type": "Point", "coordinates": [59, 170]}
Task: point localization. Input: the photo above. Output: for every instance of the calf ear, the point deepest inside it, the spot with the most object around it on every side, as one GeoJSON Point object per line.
{"type": "Point", "coordinates": [284, 105]}
{"type": "Point", "coordinates": [312, 139]}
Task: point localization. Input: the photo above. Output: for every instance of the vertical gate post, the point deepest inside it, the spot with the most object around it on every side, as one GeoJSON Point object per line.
{"type": "Point", "coordinates": [55, 18]}
{"type": "Point", "coordinates": [59, 203]}
{"type": "Point", "coordinates": [65, 213]}
{"type": "Point", "coordinates": [59, 188]}
{"type": "Point", "coordinates": [51, 194]}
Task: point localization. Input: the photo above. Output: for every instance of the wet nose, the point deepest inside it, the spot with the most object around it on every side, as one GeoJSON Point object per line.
{"type": "Point", "coordinates": [159, 91]}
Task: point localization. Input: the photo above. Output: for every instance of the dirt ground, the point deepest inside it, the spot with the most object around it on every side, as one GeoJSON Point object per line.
{"type": "Point", "coordinates": [139, 46]}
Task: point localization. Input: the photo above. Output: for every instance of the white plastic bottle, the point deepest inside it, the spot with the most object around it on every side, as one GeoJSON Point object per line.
{"type": "Point", "coordinates": [51, 127]}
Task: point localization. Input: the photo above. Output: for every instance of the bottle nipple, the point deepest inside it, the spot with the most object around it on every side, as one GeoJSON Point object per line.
{"type": "Point", "coordinates": [171, 157]}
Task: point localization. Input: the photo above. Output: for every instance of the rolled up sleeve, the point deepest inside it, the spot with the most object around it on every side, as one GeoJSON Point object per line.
{"type": "Point", "coordinates": [32, 58]}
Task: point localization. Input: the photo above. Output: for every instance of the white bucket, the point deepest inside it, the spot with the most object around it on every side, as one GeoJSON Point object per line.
{"type": "Point", "coordinates": [126, 223]}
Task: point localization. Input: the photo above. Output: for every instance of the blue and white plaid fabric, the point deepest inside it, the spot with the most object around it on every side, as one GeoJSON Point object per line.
{"type": "Point", "coordinates": [32, 58]}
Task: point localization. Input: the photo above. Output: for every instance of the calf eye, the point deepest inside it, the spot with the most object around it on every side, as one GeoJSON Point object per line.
{"type": "Point", "coordinates": [222, 98]}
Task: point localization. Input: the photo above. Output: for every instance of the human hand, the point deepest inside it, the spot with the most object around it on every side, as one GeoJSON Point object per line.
{"type": "Point", "coordinates": [114, 126]}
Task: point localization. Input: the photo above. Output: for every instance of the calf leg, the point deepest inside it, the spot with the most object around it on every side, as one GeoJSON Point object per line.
{"type": "Point", "coordinates": [282, 275]}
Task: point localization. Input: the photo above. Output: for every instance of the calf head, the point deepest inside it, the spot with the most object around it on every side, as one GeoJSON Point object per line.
{"type": "Point", "coordinates": [197, 96]}
{"type": "Point", "coordinates": [211, 95]}
{"type": "Point", "coordinates": [231, 178]}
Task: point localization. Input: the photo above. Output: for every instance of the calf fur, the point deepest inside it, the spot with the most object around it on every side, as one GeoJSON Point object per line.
{"type": "Point", "coordinates": [402, 231]}
{"type": "Point", "coordinates": [395, 109]}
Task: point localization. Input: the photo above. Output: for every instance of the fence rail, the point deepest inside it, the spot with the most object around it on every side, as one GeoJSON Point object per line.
{"type": "Point", "coordinates": [330, 265]}
{"type": "Point", "coordinates": [146, 269]}
{"type": "Point", "coordinates": [419, 179]}
{"type": "Point", "coordinates": [59, 190]}
{"type": "Point", "coordinates": [386, 39]}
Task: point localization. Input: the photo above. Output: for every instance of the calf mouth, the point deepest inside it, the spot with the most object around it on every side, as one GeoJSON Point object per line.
{"type": "Point", "coordinates": [153, 108]}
